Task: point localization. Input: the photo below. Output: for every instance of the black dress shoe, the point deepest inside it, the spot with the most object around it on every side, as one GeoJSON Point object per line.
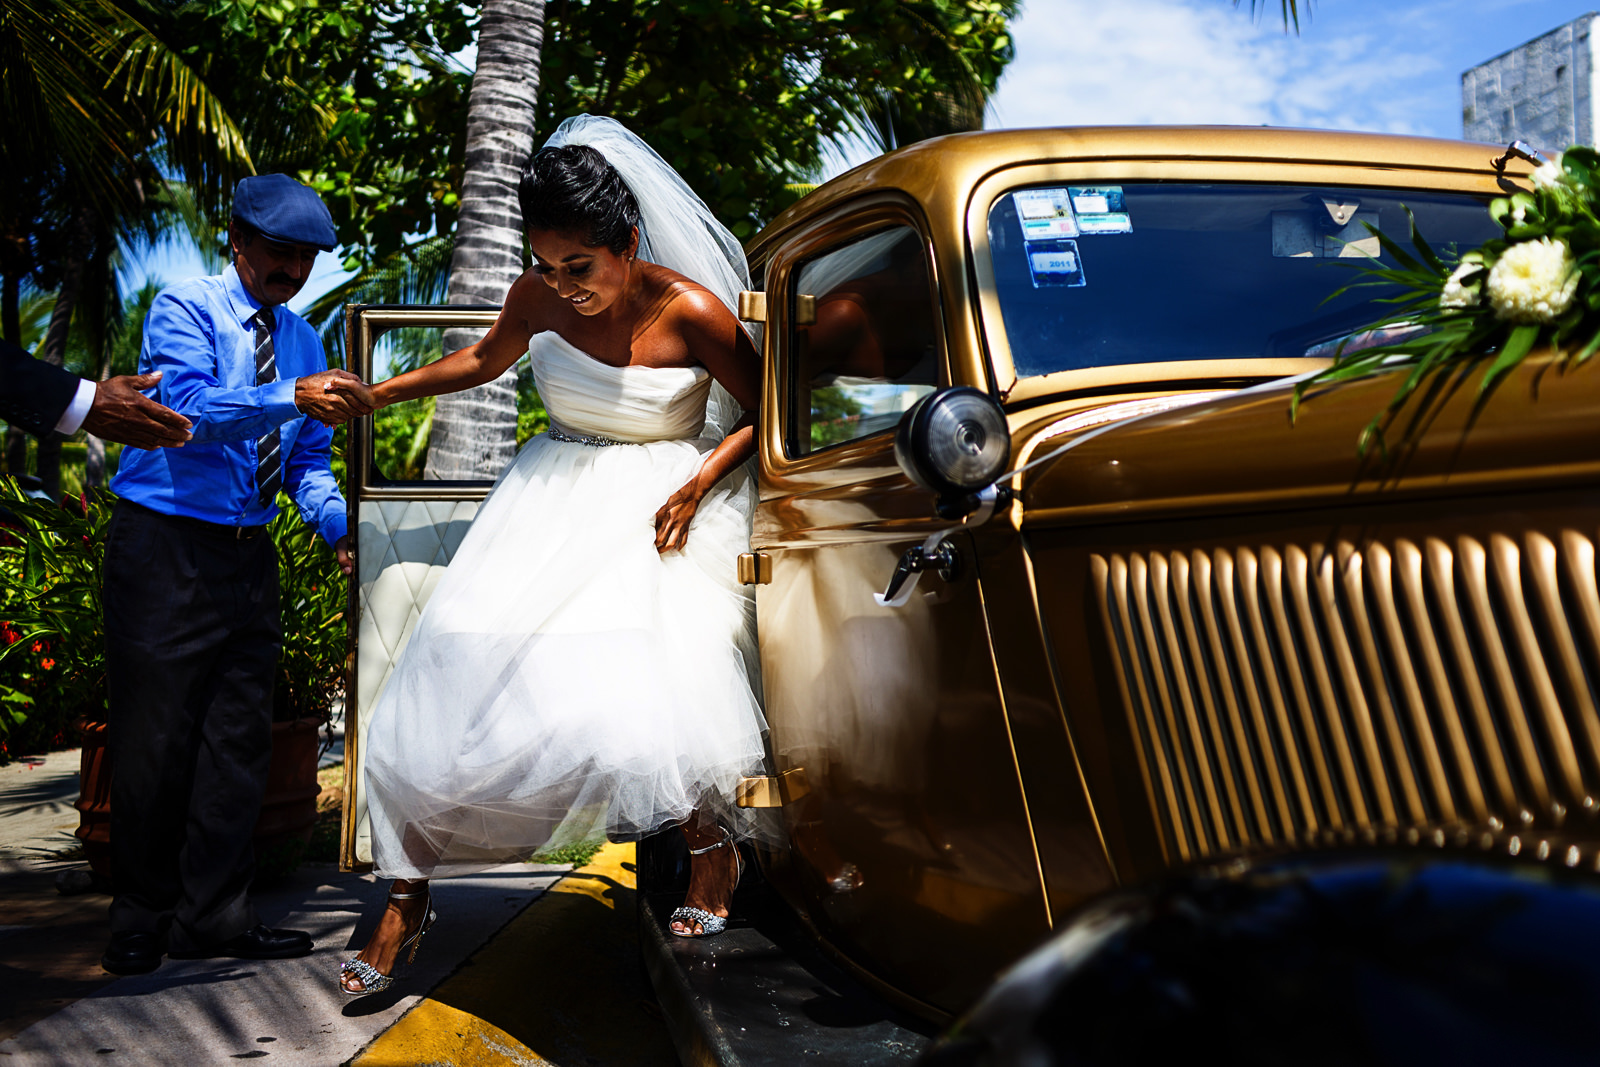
{"type": "Point", "coordinates": [132, 953]}
{"type": "Point", "coordinates": [257, 943]}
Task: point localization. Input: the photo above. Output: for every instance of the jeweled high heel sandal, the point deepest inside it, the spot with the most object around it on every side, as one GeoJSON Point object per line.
{"type": "Point", "coordinates": [373, 980]}
{"type": "Point", "coordinates": [710, 924]}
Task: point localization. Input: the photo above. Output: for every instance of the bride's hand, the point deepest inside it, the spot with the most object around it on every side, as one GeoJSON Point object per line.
{"type": "Point", "coordinates": [672, 521]}
{"type": "Point", "coordinates": [358, 392]}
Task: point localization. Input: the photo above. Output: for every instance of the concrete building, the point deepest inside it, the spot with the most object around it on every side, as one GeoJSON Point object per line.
{"type": "Point", "coordinates": [1542, 92]}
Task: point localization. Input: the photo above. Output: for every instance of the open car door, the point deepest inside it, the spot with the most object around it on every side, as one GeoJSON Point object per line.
{"type": "Point", "coordinates": [407, 529]}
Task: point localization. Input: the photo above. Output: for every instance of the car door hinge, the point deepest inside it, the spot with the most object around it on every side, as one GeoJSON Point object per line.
{"type": "Point", "coordinates": [755, 568]}
{"type": "Point", "coordinates": [772, 790]}
{"type": "Point", "coordinates": [752, 305]}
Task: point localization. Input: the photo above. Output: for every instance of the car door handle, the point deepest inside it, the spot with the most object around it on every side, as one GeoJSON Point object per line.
{"type": "Point", "coordinates": [941, 556]}
{"type": "Point", "coordinates": [934, 554]}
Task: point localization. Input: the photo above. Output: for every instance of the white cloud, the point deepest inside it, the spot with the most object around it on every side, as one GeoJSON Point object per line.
{"type": "Point", "coordinates": [1203, 61]}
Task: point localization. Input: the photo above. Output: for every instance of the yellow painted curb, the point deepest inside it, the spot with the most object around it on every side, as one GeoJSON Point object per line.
{"type": "Point", "coordinates": [563, 979]}
{"type": "Point", "coordinates": [435, 1033]}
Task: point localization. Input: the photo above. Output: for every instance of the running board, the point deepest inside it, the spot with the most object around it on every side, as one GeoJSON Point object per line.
{"type": "Point", "coordinates": [743, 998]}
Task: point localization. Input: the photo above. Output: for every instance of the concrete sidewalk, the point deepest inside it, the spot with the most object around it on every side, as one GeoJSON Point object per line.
{"type": "Point", "coordinates": [525, 966]}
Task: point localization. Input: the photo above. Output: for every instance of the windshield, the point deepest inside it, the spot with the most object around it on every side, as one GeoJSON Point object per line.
{"type": "Point", "coordinates": [1101, 275]}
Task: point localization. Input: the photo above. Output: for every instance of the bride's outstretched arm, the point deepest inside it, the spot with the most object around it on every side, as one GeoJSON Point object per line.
{"type": "Point", "coordinates": [717, 340]}
{"type": "Point", "coordinates": [485, 361]}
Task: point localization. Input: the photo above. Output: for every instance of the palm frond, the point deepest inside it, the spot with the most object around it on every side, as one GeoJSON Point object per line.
{"type": "Point", "coordinates": [1290, 10]}
{"type": "Point", "coordinates": [199, 136]}
{"type": "Point", "coordinates": [417, 274]}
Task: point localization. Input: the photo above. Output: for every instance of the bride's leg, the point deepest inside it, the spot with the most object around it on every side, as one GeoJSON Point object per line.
{"type": "Point", "coordinates": [400, 920]}
{"type": "Point", "coordinates": [712, 875]}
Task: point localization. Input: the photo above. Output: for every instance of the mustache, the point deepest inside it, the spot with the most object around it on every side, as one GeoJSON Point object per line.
{"type": "Point", "coordinates": [278, 277]}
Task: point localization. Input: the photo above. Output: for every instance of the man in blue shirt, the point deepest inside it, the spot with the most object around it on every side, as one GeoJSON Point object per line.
{"type": "Point", "coordinates": [191, 585]}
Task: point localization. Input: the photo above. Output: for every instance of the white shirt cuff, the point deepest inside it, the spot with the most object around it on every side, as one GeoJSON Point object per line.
{"type": "Point", "coordinates": [78, 410]}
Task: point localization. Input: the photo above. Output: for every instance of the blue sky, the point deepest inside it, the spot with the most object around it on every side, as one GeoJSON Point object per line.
{"type": "Point", "coordinates": [1390, 66]}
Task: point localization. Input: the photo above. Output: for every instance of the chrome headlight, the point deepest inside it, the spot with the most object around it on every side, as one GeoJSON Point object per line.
{"type": "Point", "coordinates": [953, 442]}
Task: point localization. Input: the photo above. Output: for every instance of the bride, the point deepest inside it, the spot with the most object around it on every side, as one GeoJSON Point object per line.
{"type": "Point", "coordinates": [587, 662]}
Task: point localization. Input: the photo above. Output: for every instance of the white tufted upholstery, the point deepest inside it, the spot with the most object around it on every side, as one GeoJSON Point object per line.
{"type": "Point", "coordinates": [403, 547]}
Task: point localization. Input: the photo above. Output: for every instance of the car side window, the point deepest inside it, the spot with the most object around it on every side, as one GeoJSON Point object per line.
{"type": "Point", "coordinates": [864, 342]}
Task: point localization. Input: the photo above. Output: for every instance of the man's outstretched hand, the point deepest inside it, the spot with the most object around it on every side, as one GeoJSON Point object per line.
{"type": "Point", "coordinates": [121, 412]}
{"type": "Point", "coordinates": [313, 396]}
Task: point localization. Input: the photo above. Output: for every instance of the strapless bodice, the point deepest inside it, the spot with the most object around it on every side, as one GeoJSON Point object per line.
{"type": "Point", "coordinates": [585, 396]}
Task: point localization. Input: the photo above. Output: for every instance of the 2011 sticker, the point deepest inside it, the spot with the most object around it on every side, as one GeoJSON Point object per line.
{"type": "Point", "coordinates": [1055, 263]}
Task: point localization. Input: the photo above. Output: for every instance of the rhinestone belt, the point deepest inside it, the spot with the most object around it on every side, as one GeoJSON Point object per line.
{"type": "Point", "coordinates": [573, 439]}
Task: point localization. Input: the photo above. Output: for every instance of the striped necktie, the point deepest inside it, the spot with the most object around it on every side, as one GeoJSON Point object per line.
{"type": "Point", "coordinates": [269, 460]}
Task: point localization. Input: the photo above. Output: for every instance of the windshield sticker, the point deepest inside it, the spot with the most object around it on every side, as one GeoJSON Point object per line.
{"type": "Point", "coordinates": [1100, 209]}
{"type": "Point", "coordinates": [1055, 263]}
{"type": "Point", "coordinates": [1045, 214]}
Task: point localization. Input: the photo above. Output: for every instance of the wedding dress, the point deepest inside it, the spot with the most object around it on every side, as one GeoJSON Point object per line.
{"type": "Point", "coordinates": [566, 680]}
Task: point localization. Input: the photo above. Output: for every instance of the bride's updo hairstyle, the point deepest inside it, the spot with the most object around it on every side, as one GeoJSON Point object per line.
{"type": "Point", "coordinates": [573, 189]}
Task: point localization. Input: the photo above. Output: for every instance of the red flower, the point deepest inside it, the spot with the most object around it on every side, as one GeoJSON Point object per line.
{"type": "Point", "coordinates": [47, 663]}
{"type": "Point", "coordinates": [10, 634]}
{"type": "Point", "coordinates": [38, 646]}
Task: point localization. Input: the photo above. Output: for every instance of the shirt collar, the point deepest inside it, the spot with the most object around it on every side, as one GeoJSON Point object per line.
{"type": "Point", "coordinates": [245, 306]}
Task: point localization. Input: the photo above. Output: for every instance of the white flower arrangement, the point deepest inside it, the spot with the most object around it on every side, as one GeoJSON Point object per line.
{"type": "Point", "coordinates": [1458, 292]}
{"type": "Point", "coordinates": [1538, 285]}
{"type": "Point", "coordinates": [1532, 282]}
{"type": "Point", "coordinates": [1548, 174]}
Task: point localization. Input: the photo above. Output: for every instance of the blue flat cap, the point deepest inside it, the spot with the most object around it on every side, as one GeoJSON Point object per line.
{"type": "Point", "coordinates": [284, 210]}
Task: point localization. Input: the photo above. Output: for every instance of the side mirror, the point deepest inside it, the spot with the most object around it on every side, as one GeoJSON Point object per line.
{"type": "Point", "coordinates": [954, 443]}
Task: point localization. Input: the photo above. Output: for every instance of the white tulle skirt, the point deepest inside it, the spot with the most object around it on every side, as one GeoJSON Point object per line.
{"type": "Point", "coordinates": [566, 681]}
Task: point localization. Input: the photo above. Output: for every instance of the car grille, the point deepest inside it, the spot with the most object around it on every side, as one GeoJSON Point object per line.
{"type": "Point", "coordinates": [1291, 695]}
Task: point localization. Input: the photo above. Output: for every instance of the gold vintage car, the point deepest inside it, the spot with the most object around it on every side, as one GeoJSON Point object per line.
{"type": "Point", "coordinates": [1190, 639]}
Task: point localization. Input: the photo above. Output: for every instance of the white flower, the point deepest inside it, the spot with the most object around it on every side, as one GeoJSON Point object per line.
{"type": "Point", "coordinates": [1519, 214]}
{"type": "Point", "coordinates": [1533, 281]}
{"type": "Point", "coordinates": [1548, 173]}
{"type": "Point", "coordinates": [1457, 295]}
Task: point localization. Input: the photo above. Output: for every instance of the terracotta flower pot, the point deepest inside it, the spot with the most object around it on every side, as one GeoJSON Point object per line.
{"type": "Point", "coordinates": [288, 809]}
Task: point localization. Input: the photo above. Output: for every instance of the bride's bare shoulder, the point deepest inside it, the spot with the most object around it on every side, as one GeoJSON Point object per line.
{"type": "Point", "coordinates": [682, 299]}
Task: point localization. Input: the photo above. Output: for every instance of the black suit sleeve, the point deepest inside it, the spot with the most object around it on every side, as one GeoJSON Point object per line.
{"type": "Point", "coordinates": [33, 394]}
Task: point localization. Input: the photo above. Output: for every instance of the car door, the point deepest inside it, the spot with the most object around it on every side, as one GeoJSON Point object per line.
{"type": "Point", "coordinates": [406, 529]}
{"type": "Point", "coordinates": [912, 850]}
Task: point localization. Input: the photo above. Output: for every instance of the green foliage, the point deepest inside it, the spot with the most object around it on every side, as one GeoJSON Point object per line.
{"type": "Point", "coordinates": [834, 416]}
{"type": "Point", "coordinates": [312, 598]}
{"type": "Point", "coordinates": [363, 102]}
{"type": "Point", "coordinates": [400, 439]}
{"type": "Point", "coordinates": [366, 103]}
{"type": "Point", "coordinates": [1448, 315]}
{"type": "Point", "coordinates": [532, 418]}
{"type": "Point", "coordinates": [743, 98]}
{"type": "Point", "coordinates": [400, 431]}
{"type": "Point", "coordinates": [52, 659]}
{"type": "Point", "coordinates": [89, 87]}
{"type": "Point", "coordinates": [52, 636]}
{"type": "Point", "coordinates": [577, 854]}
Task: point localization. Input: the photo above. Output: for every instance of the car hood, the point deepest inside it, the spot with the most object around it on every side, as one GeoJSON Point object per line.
{"type": "Point", "coordinates": [1242, 451]}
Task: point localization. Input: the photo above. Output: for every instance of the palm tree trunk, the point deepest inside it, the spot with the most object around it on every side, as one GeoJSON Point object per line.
{"type": "Point", "coordinates": [475, 432]}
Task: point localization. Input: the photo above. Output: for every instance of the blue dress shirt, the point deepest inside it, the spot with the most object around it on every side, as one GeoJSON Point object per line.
{"type": "Point", "coordinates": [199, 335]}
